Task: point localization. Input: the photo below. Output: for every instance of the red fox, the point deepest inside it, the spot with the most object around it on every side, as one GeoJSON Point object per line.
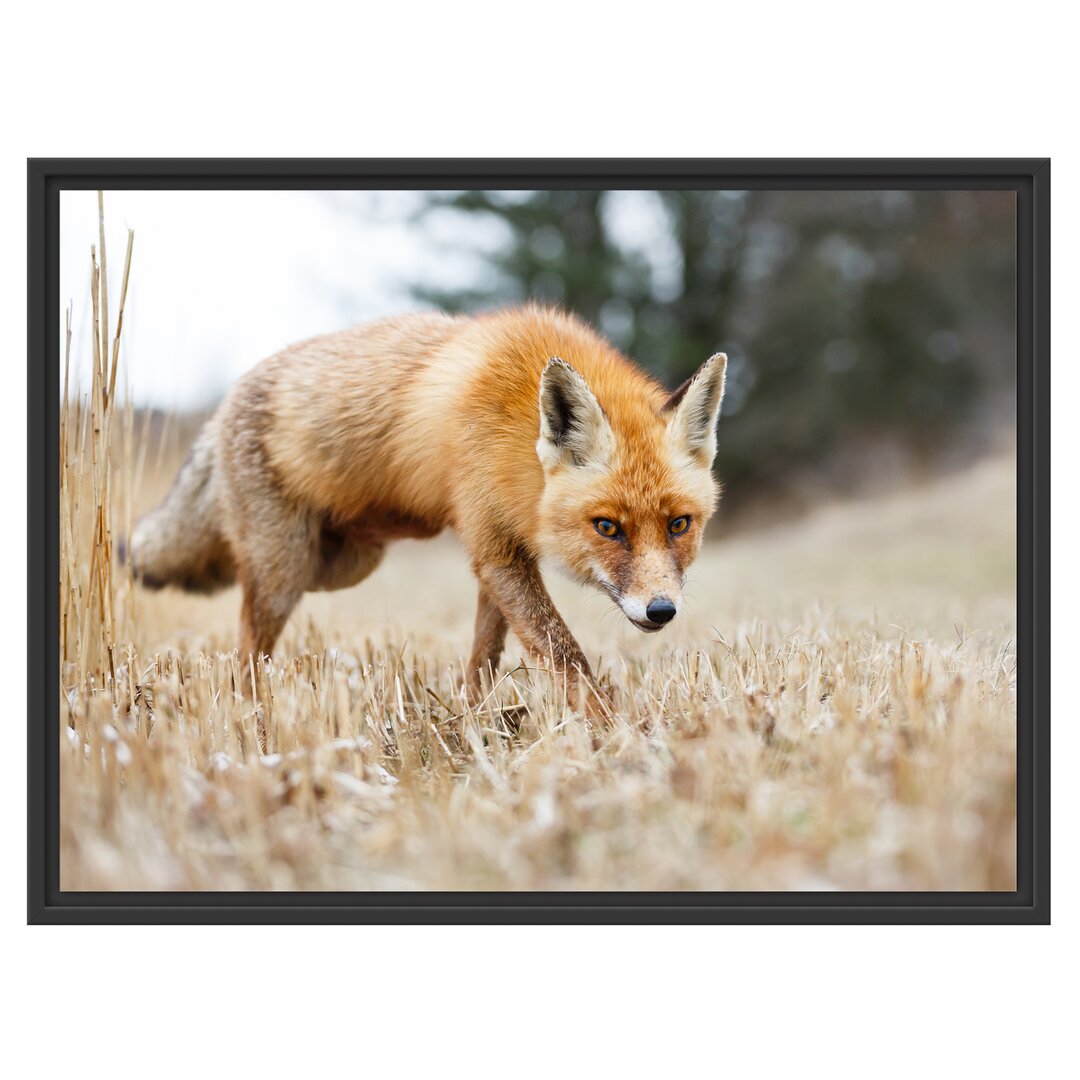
{"type": "Point", "coordinates": [523, 430]}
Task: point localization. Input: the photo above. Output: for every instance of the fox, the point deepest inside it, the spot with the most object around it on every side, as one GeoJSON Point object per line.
{"type": "Point", "coordinates": [523, 430]}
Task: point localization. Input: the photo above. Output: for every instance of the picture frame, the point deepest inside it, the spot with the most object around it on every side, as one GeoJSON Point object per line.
{"type": "Point", "coordinates": [1029, 904]}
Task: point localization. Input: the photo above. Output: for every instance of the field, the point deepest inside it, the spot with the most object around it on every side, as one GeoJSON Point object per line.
{"type": "Point", "coordinates": [835, 710]}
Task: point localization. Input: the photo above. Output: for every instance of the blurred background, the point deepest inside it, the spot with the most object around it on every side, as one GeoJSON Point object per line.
{"type": "Point", "coordinates": [871, 335]}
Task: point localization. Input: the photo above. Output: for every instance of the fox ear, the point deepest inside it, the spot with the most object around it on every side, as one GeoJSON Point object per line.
{"type": "Point", "coordinates": [693, 408]}
{"type": "Point", "coordinates": [573, 427]}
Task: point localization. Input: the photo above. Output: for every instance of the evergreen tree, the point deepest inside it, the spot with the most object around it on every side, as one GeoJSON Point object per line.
{"type": "Point", "coordinates": [849, 318]}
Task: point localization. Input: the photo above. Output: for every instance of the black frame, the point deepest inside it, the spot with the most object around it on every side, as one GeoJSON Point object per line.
{"type": "Point", "coordinates": [1028, 177]}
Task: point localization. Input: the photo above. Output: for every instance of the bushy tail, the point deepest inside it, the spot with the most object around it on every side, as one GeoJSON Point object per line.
{"type": "Point", "coordinates": [180, 543]}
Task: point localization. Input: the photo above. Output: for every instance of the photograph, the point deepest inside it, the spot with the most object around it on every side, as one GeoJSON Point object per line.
{"type": "Point", "coordinates": [541, 512]}
{"type": "Point", "coordinates": [537, 540]}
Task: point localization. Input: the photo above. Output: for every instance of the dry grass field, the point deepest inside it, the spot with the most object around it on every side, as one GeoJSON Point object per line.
{"type": "Point", "coordinates": [835, 710]}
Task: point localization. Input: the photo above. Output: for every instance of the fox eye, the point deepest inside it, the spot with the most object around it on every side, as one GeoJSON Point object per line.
{"type": "Point", "coordinates": [678, 525]}
{"type": "Point", "coordinates": [606, 528]}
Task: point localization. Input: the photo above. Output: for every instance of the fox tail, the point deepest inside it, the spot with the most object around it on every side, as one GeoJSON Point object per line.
{"type": "Point", "coordinates": [180, 543]}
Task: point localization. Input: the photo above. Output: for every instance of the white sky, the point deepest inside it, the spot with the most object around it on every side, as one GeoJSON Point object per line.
{"type": "Point", "coordinates": [222, 279]}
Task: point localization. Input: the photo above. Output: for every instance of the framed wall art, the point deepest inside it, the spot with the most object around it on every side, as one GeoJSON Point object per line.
{"type": "Point", "coordinates": [547, 541]}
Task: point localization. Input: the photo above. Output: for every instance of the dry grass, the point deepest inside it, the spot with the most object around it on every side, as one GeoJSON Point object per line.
{"type": "Point", "coordinates": [835, 710]}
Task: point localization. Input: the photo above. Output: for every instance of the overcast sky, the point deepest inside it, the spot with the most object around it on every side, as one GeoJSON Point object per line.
{"type": "Point", "coordinates": [222, 279]}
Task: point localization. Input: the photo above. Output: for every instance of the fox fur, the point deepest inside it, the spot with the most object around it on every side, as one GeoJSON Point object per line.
{"type": "Point", "coordinates": [522, 430]}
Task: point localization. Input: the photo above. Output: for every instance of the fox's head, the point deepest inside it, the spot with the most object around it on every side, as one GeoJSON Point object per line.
{"type": "Point", "coordinates": [626, 498]}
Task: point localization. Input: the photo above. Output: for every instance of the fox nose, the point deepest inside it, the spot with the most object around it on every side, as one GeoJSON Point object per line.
{"type": "Point", "coordinates": [661, 610]}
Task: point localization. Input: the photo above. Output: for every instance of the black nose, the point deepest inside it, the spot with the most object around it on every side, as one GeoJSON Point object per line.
{"type": "Point", "coordinates": [660, 610]}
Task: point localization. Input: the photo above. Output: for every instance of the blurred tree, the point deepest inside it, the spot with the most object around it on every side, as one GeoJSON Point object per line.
{"type": "Point", "coordinates": [850, 318]}
{"type": "Point", "coordinates": [558, 252]}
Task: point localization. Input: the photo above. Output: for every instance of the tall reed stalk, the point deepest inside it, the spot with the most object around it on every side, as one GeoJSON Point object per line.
{"type": "Point", "coordinates": [88, 612]}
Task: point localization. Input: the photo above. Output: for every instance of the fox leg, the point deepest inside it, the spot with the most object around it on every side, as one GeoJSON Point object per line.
{"type": "Point", "coordinates": [281, 566]}
{"type": "Point", "coordinates": [343, 562]}
{"type": "Point", "coordinates": [277, 554]}
{"type": "Point", "coordinates": [488, 641]}
{"type": "Point", "coordinates": [274, 586]}
{"type": "Point", "coordinates": [263, 615]}
{"type": "Point", "coordinates": [518, 590]}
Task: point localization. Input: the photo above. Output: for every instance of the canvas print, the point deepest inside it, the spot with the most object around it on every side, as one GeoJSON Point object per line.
{"type": "Point", "coordinates": [538, 540]}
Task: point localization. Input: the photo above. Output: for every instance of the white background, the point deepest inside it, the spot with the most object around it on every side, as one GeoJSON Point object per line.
{"type": "Point", "coordinates": [530, 80]}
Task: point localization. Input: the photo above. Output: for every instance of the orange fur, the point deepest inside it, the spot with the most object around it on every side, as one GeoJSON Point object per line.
{"type": "Point", "coordinates": [338, 445]}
